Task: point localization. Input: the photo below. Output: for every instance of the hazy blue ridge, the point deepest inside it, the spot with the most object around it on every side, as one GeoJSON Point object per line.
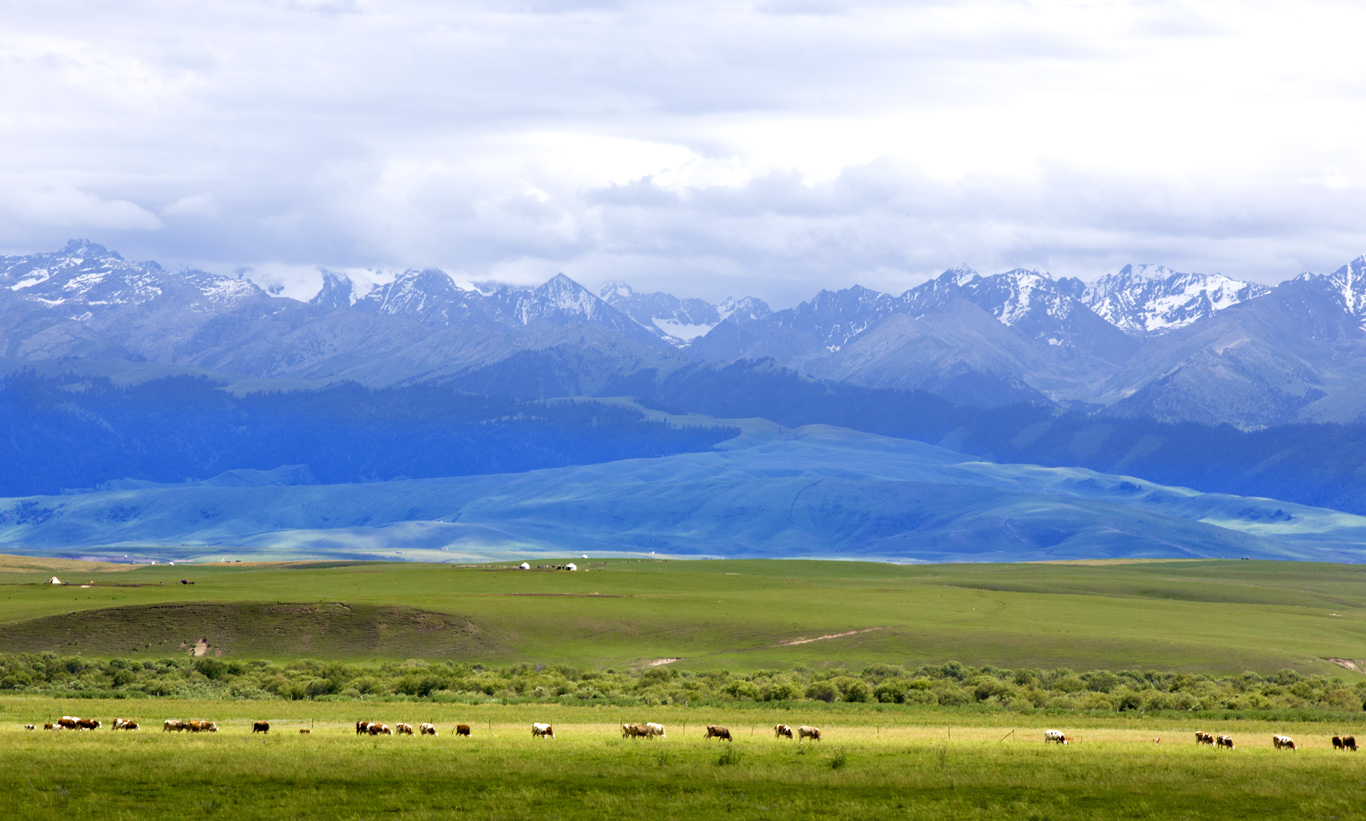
{"type": "Point", "coordinates": [816, 492]}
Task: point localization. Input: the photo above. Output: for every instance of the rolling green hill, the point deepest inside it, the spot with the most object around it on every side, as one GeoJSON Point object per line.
{"type": "Point", "coordinates": [1209, 616]}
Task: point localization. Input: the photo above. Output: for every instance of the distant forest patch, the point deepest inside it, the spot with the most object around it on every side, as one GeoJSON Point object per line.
{"type": "Point", "coordinates": [77, 432]}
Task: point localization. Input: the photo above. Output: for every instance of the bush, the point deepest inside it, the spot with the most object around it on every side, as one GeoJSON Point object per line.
{"type": "Point", "coordinates": [822, 691]}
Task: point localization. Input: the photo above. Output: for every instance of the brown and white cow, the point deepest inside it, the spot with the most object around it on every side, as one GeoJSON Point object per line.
{"type": "Point", "coordinates": [260, 727]}
{"type": "Point", "coordinates": [87, 724]}
{"type": "Point", "coordinates": [362, 727]}
{"type": "Point", "coordinates": [713, 731]}
{"type": "Point", "coordinates": [377, 728]}
{"type": "Point", "coordinates": [1283, 742]}
{"type": "Point", "coordinates": [782, 731]}
{"type": "Point", "coordinates": [426, 729]}
{"type": "Point", "coordinates": [67, 722]}
{"type": "Point", "coordinates": [120, 723]}
{"type": "Point", "coordinates": [1054, 736]}
{"type": "Point", "coordinates": [461, 729]}
{"type": "Point", "coordinates": [635, 731]}
{"type": "Point", "coordinates": [539, 730]}
{"type": "Point", "coordinates": [403, 729]}
{"type": "Point", "coordinates": [812, 733]}
{"type": "Point", "coordinates": [172, 724]}
{"type": "Point", "coordinates": [655, 729]}
{"type": "Point", "coordinates": [30, 727]}
{"type": "Point", "coordinates": [52, 727]}
{"type": "Point", "coordinates": [1224, 742]}
{"type": "Point", "coordinates": [202, 726]}
{"type": "Point", "coordinates": [1203, 738]}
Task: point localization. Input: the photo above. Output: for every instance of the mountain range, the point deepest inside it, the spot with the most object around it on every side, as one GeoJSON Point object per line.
{"type": "Point", "coordinates": [1144, 341]}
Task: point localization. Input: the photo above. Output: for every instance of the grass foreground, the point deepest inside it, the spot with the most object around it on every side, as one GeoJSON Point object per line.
{"type": "Point", "coordinates": [871, 764]}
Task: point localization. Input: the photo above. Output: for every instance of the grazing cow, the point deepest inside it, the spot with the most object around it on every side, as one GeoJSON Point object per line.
{"type": "Point", "coordinates": [539, 730]}
{"type": "Point", "coordinates": [67, 722]}
{"type": "Point", "coordinates": [782, 731]}
{"type": "Point", "coordinates": [362, 727]}
{"type": "Point", "coordinates": [635, 731]}
{"type": "Point", "coordinates": [655, 729]}
{"type": "Point", "coordinates": [1224, 742]}
{"type": "Point", "coordinates": [1349, 742]}
{"type": "Point", "coordinates": [1337, 743]}
{"type": "Point", "coordinates": [52, 726]}
{"type": "Point", "coordinates": [1203, 738]}
{"type": "Point", "coordinates": [304, 731]}
{"type": "Point", "coordinates": [812, 733]}
{"type": "Point", "coordinates": [403, 729]}
{"type": "Point", "coordinates": [377, 728]}
{"type": "Point", "coordinates": [202, 726]}
{"type": "Point", "coordinates": [120, 723]}
{"type": "Point", "coordinates": [260, 727]}
{"type": "Point", "coordinates": [172, 724]}
{"type": "Point", "coordinates": [1283, 742]}
{"type": "Point", "coordinates": [1157, 740]}
{"type": "Point", "coordinates": [429, 729]}
{"type": "Point", "coordinates": [87, 724]}
{"type": "Point", "coordinates": [714, 731]}
{"type": "Point", "coordinates": [29, 727]}
{"type": "Point", "coordinates": [1054, 736]}
{"type": "Point", "coordinates": [460, 729]}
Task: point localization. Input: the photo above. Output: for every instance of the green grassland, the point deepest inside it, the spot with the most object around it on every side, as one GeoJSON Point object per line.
{"type": "Point", "coordinates": [874, 762]}
{"type": "Point", "coordinates": [1202, 616]}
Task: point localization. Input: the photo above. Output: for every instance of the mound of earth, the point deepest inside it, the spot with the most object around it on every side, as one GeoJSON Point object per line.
{"type": "Point", "coordinates": [255, 630]}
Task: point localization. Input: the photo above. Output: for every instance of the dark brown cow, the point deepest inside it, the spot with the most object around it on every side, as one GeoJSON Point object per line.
{"type": "Point", "coordinates": [462, 729]}
{"type": "Point", "coordinates": [714, 731]}
{"type": "Point", "coordinates": [304, 731]}
{"type": "Point", "coordinates": [260, 727]}
{"type": "Point", "coordinates": [67, 722]}
{"type": "Point", "coordinates": [1337, 743]}
{"type": "Point", "coordinates": [1349, 742]}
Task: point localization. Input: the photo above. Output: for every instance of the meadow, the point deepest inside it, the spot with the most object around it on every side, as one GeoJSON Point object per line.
{"type": "Point", "coordinates": [873, 762]}
{"type": "Point", "coordinates": [1222, 617]}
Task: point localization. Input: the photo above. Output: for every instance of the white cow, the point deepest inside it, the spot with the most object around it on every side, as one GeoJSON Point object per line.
{"type": "Point", "coordinates": [1283, 742]}
{"type": "Point", "coordinates": [655, 729]}
{"type": "Point", "coordinates": [1054, 736]}
{"type": "Point", "coordinates": [813, 733]}
{"type": "Point", "coordinates": [539, 730]}
{"type": "Point", "coordinates": [426, 729]}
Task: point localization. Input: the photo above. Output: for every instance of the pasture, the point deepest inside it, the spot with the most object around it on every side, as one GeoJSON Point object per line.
{"type": "Point", "coordinates": [1221, 617]}
{"type": "Point", "coordinates": [873, 763]}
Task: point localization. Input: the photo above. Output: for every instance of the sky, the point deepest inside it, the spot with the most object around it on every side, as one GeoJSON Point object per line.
{"type": "Point", "coordinates": [709, 149]}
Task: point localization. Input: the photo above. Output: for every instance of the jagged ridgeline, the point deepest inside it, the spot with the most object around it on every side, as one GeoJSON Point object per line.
{"type": "Point", "coordinates": [76, 432]}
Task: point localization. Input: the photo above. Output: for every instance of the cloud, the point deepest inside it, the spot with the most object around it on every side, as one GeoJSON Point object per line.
{"type": "Point", "coordinates": [772, 148]}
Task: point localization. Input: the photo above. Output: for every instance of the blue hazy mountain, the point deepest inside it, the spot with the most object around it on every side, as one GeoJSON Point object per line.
{"type": "Point", "coordinates": [770, 492]}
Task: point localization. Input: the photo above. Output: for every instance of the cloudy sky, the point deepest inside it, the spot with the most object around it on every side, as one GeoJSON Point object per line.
{"type": "Point", "coordinates": [706, 148]}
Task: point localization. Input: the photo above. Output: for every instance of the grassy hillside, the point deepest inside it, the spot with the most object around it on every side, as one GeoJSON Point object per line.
{"type": "Point", "coordinates": [1208, 616]}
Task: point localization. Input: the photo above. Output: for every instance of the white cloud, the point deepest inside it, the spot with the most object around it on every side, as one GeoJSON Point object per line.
{"type": "Point", "coordinates": [771, 147]}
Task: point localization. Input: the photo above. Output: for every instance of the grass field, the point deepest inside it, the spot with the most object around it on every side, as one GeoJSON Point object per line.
{"type": "Point", "coordinates": [1204, 616]}
{"type": "Point", "coordinates": [874, 762]}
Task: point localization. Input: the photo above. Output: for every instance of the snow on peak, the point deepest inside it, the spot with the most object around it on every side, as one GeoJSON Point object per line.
{"type": "Point", "coordinates": [959, 274]}
{"type": "Point", "coordinates": [1154, 299]}
{"type": "Point", "coordinates": [617, 290]}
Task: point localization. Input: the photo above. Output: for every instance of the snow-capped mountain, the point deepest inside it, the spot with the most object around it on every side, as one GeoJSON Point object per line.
{"type": "Point", "coordinates": [1345, 287]}
{"type": "Point", "coordinates": [84, 278]}
{"type": "Point", "coordinates": [679, 321]}
{"type": "Point", "coordinates": [429, 296]}
{"type": "Point", "coordinates": [1151, 299]}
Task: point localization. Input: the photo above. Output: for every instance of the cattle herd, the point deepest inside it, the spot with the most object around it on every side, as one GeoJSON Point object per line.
{"type": "Point", "coordinates": [647, 730]}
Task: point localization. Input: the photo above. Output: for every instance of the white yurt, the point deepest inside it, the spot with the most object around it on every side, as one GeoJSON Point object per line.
{"type": "Point", "coordinates": [523, 566]}
{"type": "Point", "coordinates": [571, 566]}
{"type": "Point", "coordinates": [54, 580]}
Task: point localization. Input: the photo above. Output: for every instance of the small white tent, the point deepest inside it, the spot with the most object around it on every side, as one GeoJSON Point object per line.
{"type": "Point", "coordinates": [523, 566]}
{"type": "Point", "coordinates": [54, 580]}
{"type": "Point", "coordinates": [571, 566]}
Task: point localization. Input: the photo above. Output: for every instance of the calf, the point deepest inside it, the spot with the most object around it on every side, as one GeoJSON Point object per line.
{"type": "Point", "coordinates": [812, 733]}
{"type": "Point", "coordinates": [539, 730]}
{"type": "Point", "coordinates": [52, 726]}
{"type": "Point", "coordinates": [460, 729]}
{"type": "Point", "coordinates": [403, 729]}
{"type": "Point", "coordinates": [29, 727]}
{"type": "Point", "coordinates": [429, 729]}
{"type": "Point", "coordinates": [260, 727]}
{"type": "Point", "coordinates": [714, 731]}
{"type": "Point", "coordinates": [1283, 742]}
{"type": "Point", "coordinates": [377, 728]}
{"type": "Point", "coordinates": [1055, 736]}
{"type": "Point", "coordinates": [1224, 742]}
